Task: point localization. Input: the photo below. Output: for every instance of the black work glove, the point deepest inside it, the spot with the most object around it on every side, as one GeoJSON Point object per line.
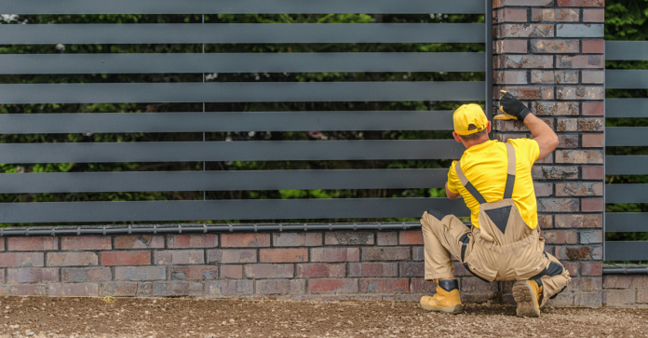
{"type": "Point", "coordinates": [512, 108]}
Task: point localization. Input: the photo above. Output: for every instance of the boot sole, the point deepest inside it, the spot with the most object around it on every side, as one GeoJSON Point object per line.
{"type": "Point", "coordinates": [453, 310]}
{"type": "Point", "coordinates": [527, 304]}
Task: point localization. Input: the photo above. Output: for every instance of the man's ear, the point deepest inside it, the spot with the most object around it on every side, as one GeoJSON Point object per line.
{"type": "Point", "coordinates": [488, 127]}
{"type": "Point", "coordinates": [457, 137]}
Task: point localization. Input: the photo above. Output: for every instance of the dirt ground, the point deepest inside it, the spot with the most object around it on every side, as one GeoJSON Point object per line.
{"type": "Point", "coordinates": [128, 317]}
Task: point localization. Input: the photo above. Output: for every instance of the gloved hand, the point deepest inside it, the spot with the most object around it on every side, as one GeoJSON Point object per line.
{"type": "Point", "coordinates": [512, 108]}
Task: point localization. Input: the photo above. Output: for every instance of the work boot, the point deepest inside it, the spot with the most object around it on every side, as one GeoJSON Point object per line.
{"type": "Point", "coordinates": [446, 298]}
{"type": "Point", "coordinates": [527, 294]}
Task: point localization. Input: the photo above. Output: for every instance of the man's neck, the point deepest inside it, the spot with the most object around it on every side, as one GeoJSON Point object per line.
{"type": "Point", "coordinates": [471, 143]}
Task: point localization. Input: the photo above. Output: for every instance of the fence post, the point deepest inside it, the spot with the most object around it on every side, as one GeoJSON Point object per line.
{"type": "Point", "coordinates": [550, 53]}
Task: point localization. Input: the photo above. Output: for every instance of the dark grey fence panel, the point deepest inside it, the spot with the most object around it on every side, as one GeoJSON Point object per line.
{"type": "Point", "coordinates": [233, 180]}
{"type": "Point", "coordinates": [241, 33]}
{"type": "Point", "coordinates": [626, 108]}
{"type": "Point", "coordinates": [626, 136]}
{"type": "Point", "coordinates": [226, 210]}
{"type": "Point", "coordinates": [240, 7]}
{"type": "Point", "coordinates": [626, 251]}
{"type": "Point", "coordinates": [241, 92]}
{"type": "Point", "coordinates": [228, 151]}
{"type": "Point", "coordinates": [626, 50]}
{"type": "Point", "coordinates": [626, 79]}
{"type": "Point", "coordinates": [626, 193]}
{"type": "Point", "coordinates": [239, 63]}
{"type": "Point", "coordinates": [626, 165]}
{"type": "Point", "coordinates": [626, 222]}
{"type": "Point", "coordinates": [223, 122]}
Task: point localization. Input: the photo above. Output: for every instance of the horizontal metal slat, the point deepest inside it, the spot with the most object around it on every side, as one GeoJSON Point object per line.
{"type": "Point", "coordinates": [222, 122]}
{"type": "Point", "coordinates": [626, 108]}
{"type": "Point", "coordinates": [626, 222]}
{"type": "Point", "coordinates": [232, 180]}
{"type": "Point", "coordinates": [55, 212]}
{"type": "Point", "coordinates": [242, 92]}
{"type": "Point", "coordinates": [228, 151]}
{"type": "Point", "coordinates": [626, 50]}
{"type": "Point", "coordinates": [626, 165]}
{"type": "Point", "coordinates": [241, 7]}
{"type": "Point", "coordinates": [626, 136]}
{"type": "Point", "coordinates": [242, 33]}
{"type": "Point", "coordinates": [626, 193]}
{"type": "Point", "coordinates": [626, 250]}
{"type": "Point", "coordinates": [626, 79]}
{"type": "Point", "coordinates": [239, 63]}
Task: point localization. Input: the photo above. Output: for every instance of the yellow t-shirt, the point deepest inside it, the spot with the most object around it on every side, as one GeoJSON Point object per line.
{"type": "Point", "coordinates": [485, 167]}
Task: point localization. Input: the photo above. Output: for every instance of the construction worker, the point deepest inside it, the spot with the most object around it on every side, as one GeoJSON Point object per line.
{"type": "Point", "coordinates": [504, 243]}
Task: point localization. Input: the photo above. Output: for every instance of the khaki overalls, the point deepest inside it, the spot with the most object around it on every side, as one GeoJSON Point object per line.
{"type": "Point", "coordinates": [504, 249]}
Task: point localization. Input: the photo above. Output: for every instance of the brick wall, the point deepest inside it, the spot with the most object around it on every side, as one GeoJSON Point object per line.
{"type": "Point", "coordinates": [549, 53]}
{"type": "Point", "coordinates": [335, 265]}
{"type": "Point", "coordinates": [625, 290]}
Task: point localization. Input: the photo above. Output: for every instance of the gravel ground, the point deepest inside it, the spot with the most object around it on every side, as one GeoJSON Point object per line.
{"type": "Point", "coordinates": [130, 317]}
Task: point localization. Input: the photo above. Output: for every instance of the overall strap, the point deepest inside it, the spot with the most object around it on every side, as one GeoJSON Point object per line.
{"type": "Point", "coordinates": [471, 189]}
{"type": "Point", "coordinates": [510, 177]}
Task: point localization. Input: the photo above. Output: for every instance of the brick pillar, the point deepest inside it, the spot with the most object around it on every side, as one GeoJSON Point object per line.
{"type": "Point", "coordinates": [549, 53]}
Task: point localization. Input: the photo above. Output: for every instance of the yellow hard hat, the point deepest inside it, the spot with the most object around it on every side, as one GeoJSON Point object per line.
{"type": "Point", "coordinates": [469, 119]}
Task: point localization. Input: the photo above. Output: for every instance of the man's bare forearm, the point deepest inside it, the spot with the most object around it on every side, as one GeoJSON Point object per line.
{"type": "Point", "coordinates": [543, 134]}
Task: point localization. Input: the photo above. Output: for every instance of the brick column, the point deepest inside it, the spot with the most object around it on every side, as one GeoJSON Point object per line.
{"type": "Point", "coordinates": [549, 53]}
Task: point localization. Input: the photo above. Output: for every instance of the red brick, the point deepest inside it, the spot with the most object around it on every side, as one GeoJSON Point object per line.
{"type": "Point", "coordinates": [335, 255]}
{"type": "Point", "coordinates": [387, 238]}
{"type": "Point", "coordinates": [317, 270]}
{"type": "Point", "coordinates": [579, 156]}
{"type": "Point", "coordinates": [349, 238]}
{"type": "Point", "coordinates": [231, 256]}
{"type": "Point", "coordinates": [269, 271]}
{"type": "Point", "coordinates": [554, 173]}
{"type": "Point", "coordinates": [411, 238]}
{"type": "Point", "coordinates": [139, 242]}
{"type": "Point", "coordinates": [593, 140]}
{"type": "Point", "coordinates": [593, 173]}
{"type": "Point", "coordinates": [11, 259]}
{"type": "Point", "coordinates": [126, 258]}
{"type": "Point", "coordinates": [373, 269]}
{"type": "Point", "coordinates": [510, 77]}
{"type": "Point", "coordinates": [592, 204]}
{"type": "Point", "coordinates": [32, 275]}
{"type": "Point", "coordinates": [580, 61]}
{"type": "Point", "coordinates": [283, 255]}
{"type": "Point", "coordinates": [558, 205]}
{"type": "Point", "coordinates": [567, 125]}
{"type": "Point", "coordinates": [567, 141]}
{"type": "Point", "coordinates": [593, 46]}
{"type": "Point", "coordinates": [523, 61]}
{"type": "Point", "coordinates": [192, 241]}
{"type": "Point", "coordinates": [581, 3]}
{"type": "Point", "coordinates": [297, 239]}
{"type": "Point", "coordinates": [543, 189]}
{"type": "Point", "coordinates": [80, 243]}
{"type": "Point", "coordinates": [280, 287]}
{"type": "Point", "coordinates": [140, 273]}
{"type": "Point", "coordinates": [593, 109]}
{"type": "Point", "coordinates": [245, 240]}
{"type": "Point", "coordinates": [557, 76]}
{"type": "Point", "coordinates": [524, 31]}
{"type": "Point", "coordinates": [510, 46]}
{"type": "Point", "coordinates": [571, 267]}
{"type": "Point", "coordinates": [72, 259]}
{"type": "Point", "coordinates": [591, 124]}
{"type": "Point", "coordinates": [231, 271]}
{"type": "Point", "coordinates": [384, 285]}
{"type": "Point", "coordinates": [420, 285]}
{"type": "Point", "coordinates": [229, 287]}
{"type": "Point", "coordinates": [560, 237]}
{"type": "Point", "coordinates": [555, 15]}
{"type": "Point", "coordinates": [579, 221]}
{"type": "Point", "coordinates": [579, 189]}
{"type": "Point", "coordinates": [23, 290]}
{"type": "Point", "coordinates": [545, 221]}
{"type": "Point", "coordinates": [555, 108]}
{"type": "Point", "coordinates": [511, 15]}
{"type": "Point", "coordinates": [119, 289]}
{"type": "Point", "coordinates": [174, 257]}
{"type": "Point", "coordinates": [418, 253]}
{"type": "Point", "coordinates": [580, 93]}
{"type": "Point", "coordinates": [385, 254]}
{"type": "Point", "coordinates": [177, 289]}
{"type": "Point", "coordinates": [2, 244]}
{"type": "Point", "coordinates": [555, 46]}
{"type": "Point", "coordinates": [92, 274]}
{"type": "Point", "coordinates": [73, 290]}
{"type": "Point", "coordinates": [408, 269]}
{"type": "Point", "coordinates": [474, 284]}
{"type": "Point", "coordinates": [591, 269]}
{"type": "Point", "coordinates": [333, 285]}
{"type": "Point", "coordinates": [32, 243]}
{"type": "Point", "coordinates": [193, 272]}
{"type": "Point", "coordinates": [574, 253]}
{"type": "Point", "coordinates": [529, 93]}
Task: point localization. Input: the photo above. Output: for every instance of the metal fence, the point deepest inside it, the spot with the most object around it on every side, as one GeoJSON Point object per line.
{"type": "Point", "coordinates": [53, 212]}
{"type": "Point", "coordinates": [628, 164]}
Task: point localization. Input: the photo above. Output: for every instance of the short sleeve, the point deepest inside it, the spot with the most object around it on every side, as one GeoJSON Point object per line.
{"type": "Point", "coordinates": [527, 148]}
{"type": "Point", "coordinates": [453, 180]}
